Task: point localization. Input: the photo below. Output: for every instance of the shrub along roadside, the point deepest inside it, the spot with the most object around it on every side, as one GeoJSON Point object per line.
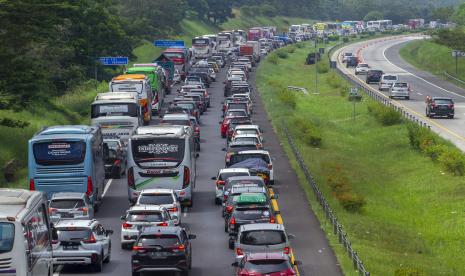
{"type": "Point", "coordinates": [385, 115]}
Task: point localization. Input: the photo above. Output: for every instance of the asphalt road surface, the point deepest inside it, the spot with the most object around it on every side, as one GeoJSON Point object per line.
{"type": "Point", "coordinates": [384, 54]}
{"type": "Point", "coordinates": [211, 255]}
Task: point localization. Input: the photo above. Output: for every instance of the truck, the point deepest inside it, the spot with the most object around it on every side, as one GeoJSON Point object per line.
{"type": "Point", "coordinates": [245, 50]}
{"type": "Point", "coordinates": [255, 34]}
{"type": "Point", "coordinates": [256, 49]}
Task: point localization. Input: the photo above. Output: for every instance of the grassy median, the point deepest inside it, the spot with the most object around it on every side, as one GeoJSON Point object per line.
{"type": "Point", "coordinates": [402, 211]}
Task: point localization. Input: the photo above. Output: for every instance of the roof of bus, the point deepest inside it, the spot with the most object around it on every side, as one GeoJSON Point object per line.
{"type": "Point", "coordinates": [64, 132]}
{"type": "Point", "coordinates": [145, 69]}
{"type": "Point", "coordinates": [13, 201]}
{"type": "Point", "coordinates": [130, 77]}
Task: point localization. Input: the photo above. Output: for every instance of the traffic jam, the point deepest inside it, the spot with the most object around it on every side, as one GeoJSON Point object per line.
{"type": "Point", "coordinates": [147, 130]}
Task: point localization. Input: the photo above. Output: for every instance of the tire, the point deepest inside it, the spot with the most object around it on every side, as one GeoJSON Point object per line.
{"type": "Point", "coordinates": [231, 244]}
{"type": "Point", "coordinates": [108, 258]}
{"type": "Point", "coordinates": [135, 273]}
{"type": "Point", "coordinates": [217, 201]}
{"type": "Point", "coordinates": [117, 173]}
{"type": "Point", "coordinates": [97, 267]}
{"type": "Point", "coordinates": [450, 116]}
{"type": "Point", "coordinates": [225, 226]}
{"type": "Point", "coordinates": [125, 246]}
{"type": "Point", "coordinates": [407, 98]}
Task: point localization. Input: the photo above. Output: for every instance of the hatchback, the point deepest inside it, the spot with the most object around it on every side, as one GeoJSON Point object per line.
{"type": "Point", "coordinates": [68, 205]}
{"type": "Point", "coordinates": [261, 264]}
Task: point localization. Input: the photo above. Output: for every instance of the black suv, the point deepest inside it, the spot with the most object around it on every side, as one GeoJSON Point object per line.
{"type": "Point", "coordinates": [162, 249]}
{"type": "Point", "coordinates": [352, 62]}
{"type": "Point", "coordinates": [436, 107]}
{"type": "Point", "coordinates": [374, 76]}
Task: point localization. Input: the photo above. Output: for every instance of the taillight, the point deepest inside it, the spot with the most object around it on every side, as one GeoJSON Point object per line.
{"type": "Point", "coordinates": [287, 250]}
{"type": "Point", "coordinates": [54, 241]}
{"type": "Point", "coordinates": [219, 182]}
{"type": "Point", "coordinates": [90, 188]}
{"type": "Point", "coordinates": [272, 220]}
{"type": "Point", "coordinates": [451, 106]}
{"type": "Point", "coordinates": [270, 166]}
{"type": "Point", "coordinates": [51, 210]}
{"type": "Point", "coordinates": [127, 225]}
{"type": "Point", "coordinates": [83, 210]}
{"type": "Point", "coordinates": [229, 209]}
{"type": "Point", "coordinates": [187, 177]}
{"type": "Point", "coordinates": [179, 248]}
{"type": "Point", "coordinates": [232, 221]}
{"type": "Point", "coordinates": [433, 105]}
{"type": "Point", "coordinates": [174, 209]}
{"type": "Point", "coordinates": [131, 183]}
{"type": "Point", "coordinates": [32, 185]}
{"type": "Point", "coordinates": [139, 249]}
{"type": "Point", "coordinates": [163, 224]}
{"type": "Point", "coordinates": [225, 197]}
{"type": "Point", "coordinates": [239, 252]}
{"type": "Point", "coordinates": [90, 240]}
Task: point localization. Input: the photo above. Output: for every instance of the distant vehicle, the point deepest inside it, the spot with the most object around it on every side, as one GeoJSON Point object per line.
{"type": "Point", "coordinates": [386, 81]}
{"type": "Point", "coordinates": [400, 89]}
{"type": "Point", "coordinates": [373, 76]}
{"type": "Point", "coordinates": [265, 264]}
{"type": "Point", "coordinates": [440, 107]}
{"type": "Point", "coordinates": [255, 34]}
{"type": "Point", "coordinates": [220, 180]}
{"type": "Point", "coordinates": [115, 161]}
{"type": "Point", "coordinates": [361, 69]}
{"type": "Point", "coordinates": [156, 75]}
{"type": "Point", "coordinates": [352, 62]}
{"type": "Point", "coordinates": [81, 242]}
{"type": "Point", "coordinates": [181, 58]}
{"type": "Point", "coordinates": [201, 47]}
{"type": "Point", "coordinates": [70, 206]}
{"type": "Point", "coordinates": [26, 243]}
{"type": "Point", "coordinates": [68, 159]}
{"type": "Point", "coordinates": [169, 249]}
{"type": "Point", "coordinates": [162, 197]}
{"type": "Point", "coordinates": [251, 154]}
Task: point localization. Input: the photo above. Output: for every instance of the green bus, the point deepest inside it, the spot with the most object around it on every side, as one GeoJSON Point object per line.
{"type": "Point", "coordinates": [157, 78]}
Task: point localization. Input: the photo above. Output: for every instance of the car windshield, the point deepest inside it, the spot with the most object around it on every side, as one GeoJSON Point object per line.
{"type": "Point", "coordinates": [7, 236]}
{"type": "Point", "coordinates": [67, 203]}
{"type": "Point", "coordinates": [156, 199]}
{"type": "Point", "coordinates": [267, 266]}
{"type": "Point", "coordinates": [59, 152]}
{"type": "Point", "coordinates": [252, 213]}
{"type": "Point", "coordinates": [363, 65]}
{"type": "Point", "coordinates": [144, 216]}
{"type": "Point", "coordinates": [73, 233]}
{"type": "Point", "coordinates": [443, 101]}
{"type": "Point", "coordinates": [236, 113]}
{"type": "Point", "coordinates": [263, 237]}
{"type": "Point", "coordinates": [156, 152]}
{"type": "Point", "coordinates": [112, 144]}
{"type": "Point", "coordinates": [241, 157]}
{"type": "Point", "coordinates": [400, 84]}
{"type": "Point", "coordinates": [237, 106]}
{"type": "Point", "coordinates": [158, 240]}
{"type": "Point", "coordinates": [227, 175]}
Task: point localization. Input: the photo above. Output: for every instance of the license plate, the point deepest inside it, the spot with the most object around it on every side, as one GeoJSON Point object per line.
{"type": "Point", "coordinates": [70, 247]}
{"type": "Point", "coordinates": [66, 215]}
{"type": "Point", "coordinates": [158, 254]}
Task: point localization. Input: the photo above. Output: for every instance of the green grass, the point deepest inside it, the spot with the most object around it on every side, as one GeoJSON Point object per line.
{"type": "Point", "coordinates": [432, 57]}
{"type": "Point", "coordinates": [413, 217]}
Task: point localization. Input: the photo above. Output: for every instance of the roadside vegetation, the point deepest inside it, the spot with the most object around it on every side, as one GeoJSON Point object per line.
{"type": "Point", "coordinates": [400, 203]}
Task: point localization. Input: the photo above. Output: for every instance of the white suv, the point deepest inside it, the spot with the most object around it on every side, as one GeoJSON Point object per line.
{"type": "Point", "coordinates": [162, 197]}
{"type": "Point", "coordinates": [386, 81]}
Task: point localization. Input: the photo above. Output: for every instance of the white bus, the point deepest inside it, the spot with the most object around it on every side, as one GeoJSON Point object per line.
{"type": "Point", "coordinates": [201, 47]}
{"type": "Point", "coordinates": [162, 156]}
{"type": "Point", "coordinates": [25, 235]}
{"type": "Point", "coordinates": [379, 25]}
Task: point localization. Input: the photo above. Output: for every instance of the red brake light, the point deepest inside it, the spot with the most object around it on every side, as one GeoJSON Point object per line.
{"type": "Point", "coordinates": [272, 220]}
{"type": "Point", "coordinates": [139, 249]}
{"type": "Point", "coordinates": [174, 209]}
{"type": "Point", "coordinates": [451, 106]}
{"type": "Point", "coordinates": [51, 210]}
{"type": "Point", "coordinates": [239, 252]}
{"type": "Point", "coordinates": [232, 221]}
{"type": "Point", "coordinates": [32, 185]}
{"type": "Point", "coordinates": [83, 210]}
{"type": "Point", "coordinates": [127, 225]}
{"type": "Point", "coordinates": [131, 182]}
{"type": "Point", "coordinates": [164, 224]}
{"type": "Point", "coordinates": [287, 250]}
{"type": "Point", "coordinates": [187, 177]}
{"type": "Point", "coordinates": [178, 248]}
{"type": "Point", "coordinates": [229, 209]}
{"type": "Point", "coordinates": [90, 188]}
{"type": "Point", "coordinates": [90, 240]}
{"type": "Point", "coordinates": [220, 182]}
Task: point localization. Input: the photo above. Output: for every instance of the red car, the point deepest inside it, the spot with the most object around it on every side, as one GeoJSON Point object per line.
{"type": "Point", "coordinates": [269, 264]}
{"type": "Point", "coordinates": [225, 124]}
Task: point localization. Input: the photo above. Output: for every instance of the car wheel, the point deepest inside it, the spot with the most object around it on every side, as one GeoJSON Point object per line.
{"type": "Point", "coordinates": [451, 116]}
{"type": "Point", "coordinates": [231, 244]}
{"type": "Point", "coordinates": [125, 246]}
{"type": "Point", "coordinates": [135, 273]}
{"type": "Point", "coordinates": [225, 226]}
{"type": "Point", "coordinates": [407, 98]}
{"type": "Point", "coordinates": [98, 265]}
{"type": "Point", "coordinates": [217, 201]}
{"type": "Point", "coordinates": [108, 258]}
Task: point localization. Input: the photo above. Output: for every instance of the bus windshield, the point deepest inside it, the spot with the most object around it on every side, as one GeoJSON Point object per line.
{"type": "Point", "coordinates": [7, 236]}
{"type": "Point", "coordinates": [158, 152]}
{"type": "Point", "coordinates": [119, 109]}
{"type": "Point", "coordinates": [200, 42]}
{"type": "Point", "coordinates": [59, 152]}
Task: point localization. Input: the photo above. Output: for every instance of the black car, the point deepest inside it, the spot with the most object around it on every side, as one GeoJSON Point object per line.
{"type": "Point", "coordinates": [162, 249]}
{"type": "Point", "coordinates": [238, 146]}
{"type": "Point", "coordinates": [374, 76]}
{"type": "Point", "coordinates": [352, 62]}
{"type": "Point", "coordinates": [203, 74]}
{"type": "Point", "coordinates": [115, 160]}
{"type": "Point", "coordinates": [440, 107]}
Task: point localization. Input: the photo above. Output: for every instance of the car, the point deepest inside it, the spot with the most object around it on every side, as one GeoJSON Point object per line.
{"type": "Point", "coordinates": [222, 176]}
{"type": "Point", "coordinates": [189, 106]}
{"type": "Point", "coordinates": [400, 89]}
{"type": "Point", "coordinates": [247, 129]}
{"type": "Point", "coordinates": [346, 56]}
{"type": "Point", "coordinates": [231, 195]}
{"type": "Point", "coordinates": [205, 94]}
{"type": "Point", "coordinates": [262, 237]}
{"type": "Point", "coordinates": [69, 205]}
{"type": "Point", "coordinates": [162, 249]}
{"type": "Point", "coordinates": [249, 137]}
{"type": "Point", "coordinates": [361, 68]}
{"type": "Point", "coordinates": [264, 155]}
{"type": "Point", "coordinates": [386, 81]}
{"type": "Point", "coordinates": [241, 180]}
{"type": "Point", "coordinates": [115, 161]}
{"type": "Point", "coordinates": [233, 125]}
{"type": "Point", "coordinates": [177, 119]}
{"type": "Point", "coordinates": [234, 147]}
{"type": "Point", "coordinates": [440, 107]}
{"type": "Point", "coordinates": [219, 60]}
{"type": "Point", "coordinates": [238, 104]}
{"type": "Point", "coordinates": [264, 263]}
{"type": "Point", "coordinates": [140, 216]}
{"type": "Point", "coordinates": [373, 76]}
{"type": "Point", "coordinates": [199, 97]}
{"type": "Point", "coordinates": [195, 124]}
{"type": "Point", "coordinates": [226, 121]}
{"type": "Point", "coordinates": [162, 197]}
{"type": "Point", "coordinates": [81, 242]}
{"type": "Point", "coordinates": [352, 62]}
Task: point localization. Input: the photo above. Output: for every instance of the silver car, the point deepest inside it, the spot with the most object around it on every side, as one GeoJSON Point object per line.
{"type": "Point", "coordinates": [83, 242]}
{"type": "Point", "coordinates": [69, 205]}
{"type": "Point", "coordinates": [400, 89]}
{"type": "Point", "coordinates": [262, 237]}
{"type": "Point", "coordinates": [162, 197]}
{"type": "Point", "coordinates": [386, 81]}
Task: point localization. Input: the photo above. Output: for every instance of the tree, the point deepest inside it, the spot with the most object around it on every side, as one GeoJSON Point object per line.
{"type": "Point", "coordinates": [199, 6]}
{"type": "Point", "coordinates": [373, 15]}
{"type": "Point", "coordinates": [220, 10]}
{"type": "Point", "coordinates": [459, 15]}
{"type": "Point", "coordinates": [442, 13]}
{"type": "Point", "coordinates": [268, 10]}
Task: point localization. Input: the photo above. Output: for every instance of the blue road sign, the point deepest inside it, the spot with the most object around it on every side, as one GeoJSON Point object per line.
{"type": "Point", "coordinates": [168, 43]}
{"type": "Point", "coordinates": [114, 60]}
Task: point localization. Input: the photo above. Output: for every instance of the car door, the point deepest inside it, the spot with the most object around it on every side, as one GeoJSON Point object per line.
{"type": "Point", "coordinates": [102, 239]}
{"type": "Point", "coordinates": [185, 241]}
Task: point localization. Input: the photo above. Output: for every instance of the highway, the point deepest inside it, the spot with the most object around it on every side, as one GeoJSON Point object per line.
{"type": "Point", "coordinates": [383, 54]}
{"type": "Point", "coordinates": [211, 255]}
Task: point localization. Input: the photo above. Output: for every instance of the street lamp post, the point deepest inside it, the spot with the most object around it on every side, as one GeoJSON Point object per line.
{"type": "Point", "coordinates": [316, 67]}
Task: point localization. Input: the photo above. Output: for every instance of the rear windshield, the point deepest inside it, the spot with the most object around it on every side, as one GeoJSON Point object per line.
{"type": "Point", "coordinates": [186, 105]}
{"type": "Point", "coordinates": [237, 106]}
{"type": "Point", "coordinates": [177, 122]}
{"type": "Point", "coordinates": [128, 86]}
{"type": "Point", "coordinates": [246, 139]}
{"type": "Point", "coordinates": [156, 199]}
{"type": "Point", "coordinates": [59, 152]}
{"type": "Point", "coordinates": [236, 158]}
{"type": "Point", "coordinates": [443, 101]}
{"type": "Point", "coordinates": [144, 216]}
{"type": "Point", "coordinates": [400, 84]}
{"type": "Point", "coordinates": [174, 55]}
{"type": "Point", "coordinates": [153, 152]}
{"type": "Point", "coordinates": [246, 131]}
{"type": "Point", "coordinates": [102, 110]}
{"type": "Point", "coordinates": [267, 266]}
{"type": "Point", "coordinates": [236, 113]}
{"type": "Point", "coordinates": [158, 240]}
{"type": "Point", "coordinates": [67, 203]}
{"type": "Point", "coordinates": [252, 213]}
{"type": "Point", "coordinates": [7, 236]}
{"type": "Point", "coordinates": [73, 234]}
{"type": "Point", "coordinates": [390, 77]}
{"type": "Point", "coordinates": [225, 176]}
{"type": "Point", "coordinates": [263, 237]}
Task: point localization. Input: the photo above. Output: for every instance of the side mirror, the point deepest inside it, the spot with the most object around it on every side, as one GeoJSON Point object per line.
{"type": "Point", "coordinates": [223, 149]}
{"type": "Point", "coordinates": [109, 232]}
{"type": "Point", "coordinates": [123, 217]}
{"type": "Point", "coordinates": [291, 236]}
{"type": "Point", "coordinates": [213, 178]}
{"type": "Point", "coordinates": [192, 237]}
{"type": "Point", "coordinates": [235, 264]}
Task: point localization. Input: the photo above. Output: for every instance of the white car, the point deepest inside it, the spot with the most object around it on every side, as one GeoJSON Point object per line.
{"type": "Point", "coordinates": [222, 176]}
{"type": "Point", "coordinates": [400, 89]}
{"type": "Point", "coordinates": [346, 56]}
{"type": "Point", "coordinates": [361, 69]}
{"type": "Point", "coordinates": [141, 216]}
{"type": "Point", "coordinates": [386, 81]}
{"type": "Point", "coordinates": [247, 129]}
{"type": "Point", "coordinates": [246, 137]}
{"type": "Point", "coordinates": [162, 197]}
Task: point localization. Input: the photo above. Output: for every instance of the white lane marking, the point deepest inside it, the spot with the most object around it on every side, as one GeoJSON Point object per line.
{"type": "Point", "coordinates": [107, 187]}
{"type": "Point", "coordinates": [57, 272]}
{"type": "Point", "coordinates": [184, 214]}
{"type": "Point", "coordinates": [430, 83]}
{"type": "Point", "coordinates": [419, 94]}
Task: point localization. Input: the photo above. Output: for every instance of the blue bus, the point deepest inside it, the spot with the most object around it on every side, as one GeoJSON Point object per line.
{"type": "Point", "coordinates": [67, 159]}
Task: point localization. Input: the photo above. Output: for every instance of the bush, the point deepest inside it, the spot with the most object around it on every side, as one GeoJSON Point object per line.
{"type": "Point", "coordinates": [299, 45]}
{"type": "Point", "coordinates": [272, 58]}
{"type": "Point", "coordinates": [342, 190]}
{"type": "Point", "coordinates": [282, 54]}
{"type": "Point", "coordinates": [310, 132]}
{"type": "Point", "coordinates": [287, 98]}
{"type": "Point", "coordinates": [333, 80]}
{"type": "Point", "coordinates": [351, 203]}
{"type": "Point", "coordinates": [322, 67]}
{"type": "Point", "coordinates": [434, 151]}
{"type": "Point", "coordinates": [385, 115]}
{"type": "Point", "coordinates": [291, 49]}
{"type": "Point", "coordinates": [408, 271]}
{"type": "Point", "coordinates": [453, 161]}
{"type": "Point", "coordinates": [419, 136]}
{"type": "Point", "coordinates": [343, 90]}
{"type": "Point", "coordinates": [345, 39]}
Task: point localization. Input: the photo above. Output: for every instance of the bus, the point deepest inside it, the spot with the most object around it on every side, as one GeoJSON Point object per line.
{"type": "Point", "coordinates": [201, 47]}
{"type": "Point", "coordinates": [162, 156]}
{"type": "Point", "coordinates": [67, 159]}
{"type": "Point", "coordinates": [379, 25]}
{"type": "Point", "coordinates": [181, 58]}
{"type": "Point", "coordinates": [225, 40]}
{"type": "Point", "coordinates": [25, 233]}
{"type": "Point", "coordinates": [157, 79]}
{"type": "Point", "coordinates": [138, 83]}
{"type": "Point", "coordinates": [320, 28]}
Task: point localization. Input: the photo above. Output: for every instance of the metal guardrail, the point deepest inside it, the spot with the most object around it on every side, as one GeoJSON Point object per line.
{"type": "Point", "coordinates": [337, 227]}
{"type": "Point", "coordinates": [450, 76]}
